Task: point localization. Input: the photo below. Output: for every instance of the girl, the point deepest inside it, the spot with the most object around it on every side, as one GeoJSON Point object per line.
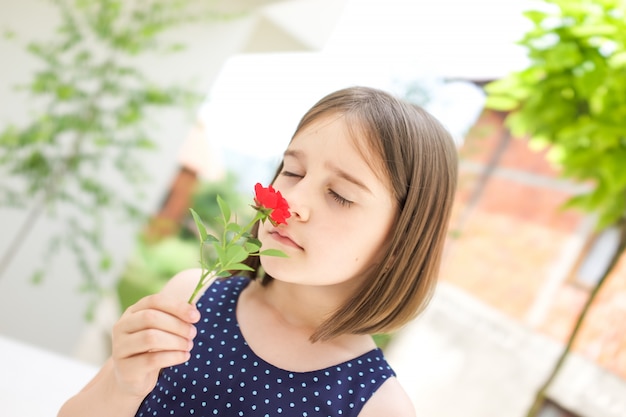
{"type": "Point", "coordinates": [370, 181]}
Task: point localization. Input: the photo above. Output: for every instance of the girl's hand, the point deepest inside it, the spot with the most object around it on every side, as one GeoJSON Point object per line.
{"type": "Point", "coordinates": [154, 333]}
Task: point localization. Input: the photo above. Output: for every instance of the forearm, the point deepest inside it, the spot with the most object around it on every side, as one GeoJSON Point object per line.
{"type": "Point", "coordinates": [101, 398]}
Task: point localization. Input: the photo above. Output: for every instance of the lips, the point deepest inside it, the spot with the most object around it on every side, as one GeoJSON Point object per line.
{"type": "Point", "coordinates": [284, 239]}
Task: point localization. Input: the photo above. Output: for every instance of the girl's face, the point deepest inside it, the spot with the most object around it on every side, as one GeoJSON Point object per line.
{"type": "Point", "coordinates": [342, 211]}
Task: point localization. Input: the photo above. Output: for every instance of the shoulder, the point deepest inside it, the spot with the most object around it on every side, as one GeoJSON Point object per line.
{"type": "Point", "coordinates": [183, 284]}
{"type": "Point", "coordinates": [389, 400]}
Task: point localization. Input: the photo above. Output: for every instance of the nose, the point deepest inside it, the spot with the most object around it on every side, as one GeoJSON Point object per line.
{"type": "Point", "coordinates": [298, 198]}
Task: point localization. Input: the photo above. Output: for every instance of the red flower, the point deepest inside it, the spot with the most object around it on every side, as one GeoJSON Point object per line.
{"type": "Point", "coordinates": [271, 203]}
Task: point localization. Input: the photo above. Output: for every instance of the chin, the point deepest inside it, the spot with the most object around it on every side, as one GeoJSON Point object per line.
{"type": "Point", "coordinates": [278, 270]}
{"type": "Point", "coordinates": [269, 266]}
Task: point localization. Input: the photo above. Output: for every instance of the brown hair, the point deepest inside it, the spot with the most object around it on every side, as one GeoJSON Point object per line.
{"type": "Point", "coordinates": [418, 159]}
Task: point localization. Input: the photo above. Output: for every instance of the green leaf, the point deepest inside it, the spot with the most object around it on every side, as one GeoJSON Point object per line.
{"type": "Point", "coordinates": [65, 92]}
{"type": "Point", "coordinates": [175, 47]}
{"type": "Point", "coordinates": [37, 277]}
{"type": "Point", "coordinates": [539, 143]}
{"type": "Point", "coordinates": [8, 34]}
{"type": "Point", "coordinates": [562, 56]}
{"type": "Point", "coordinates": [508, 93]}
{"type": "Point", "coordinates": [273, 252]}
{"type": "Point", "coordinates": [199, 225]}
{"type": "Point", "coordinates": [251, 247]}
{"type": "Point", "coordinates": [233, 227]}
{"type": "Point", "coordinates": [255, 241]}
{"type": "Point", "coordinates": [105, 263]}
{"type": "Point", "coordinates": [580, 202]}
{"type": "Point", "coordinates": [224, 209]}
{"type": "Point", "coordinates": [145, 143]}
{"type": "Point", "coordinates": [535, 16]}
{"type": "Point", "coordinates": [589, 30]}
{"type": "Point", "coordinates": [501, 103]}
{"type": "Point", "coordinates": [502, 86]}
{"type": "Point", "coordinates": [234, 254]}
{"type": "Point", "coordinates": [618, 60]}
{"type": "Point", "coordinates": [210, 239]}
{"type": "Point", "coordinates": [240, 267]}
{"type": "Point", "coordinates": [516, 122]}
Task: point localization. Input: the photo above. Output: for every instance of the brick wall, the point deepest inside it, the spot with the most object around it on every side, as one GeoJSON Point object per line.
{"type": "Point", "coordinates": [509, 238]}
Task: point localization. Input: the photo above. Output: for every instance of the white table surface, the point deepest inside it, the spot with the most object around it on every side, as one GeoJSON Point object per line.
{"type": "Point", "coordinates": [35, 382]}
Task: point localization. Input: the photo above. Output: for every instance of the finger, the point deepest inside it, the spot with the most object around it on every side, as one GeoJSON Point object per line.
{"type": "Point", "coordinates": [156, 319]}
{"type": "Point", "coordinates": [159, 360]}
{"type": "Point", "coordinates": [148, 341]}
{"type": "Point", "coordinates": [154, 361]}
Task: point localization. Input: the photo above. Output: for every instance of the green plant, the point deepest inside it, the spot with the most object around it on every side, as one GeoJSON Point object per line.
{"type": "Point", "coordinates": [153, 263]}
{"type": "Point", "coordinates": [93, 117]}
{"type": "Point", "coordinates": [234, 243]}
{"type": "Point", "coordinates": [572, 99]}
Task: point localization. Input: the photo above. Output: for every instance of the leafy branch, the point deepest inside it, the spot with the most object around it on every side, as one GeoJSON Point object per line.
{"type": "Point", "coordinates": [234, 246]}
{"type": "Point", "coordinates": [93, 120]}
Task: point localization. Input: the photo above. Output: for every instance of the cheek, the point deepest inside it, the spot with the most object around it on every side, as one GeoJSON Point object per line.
{"type": "Point", "coordinates": [375, 243]}
{"type": "Point", "coordinates": [266, 241]}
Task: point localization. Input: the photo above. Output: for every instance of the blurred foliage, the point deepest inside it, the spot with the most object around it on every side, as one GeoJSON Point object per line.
{"type": "Point", "coordinates": [572, 97]}
{"type": "Point", "coordinates": [93, 117]}
{"type": "Point", "coordinates": [572, 100]}
{"type": "Point", "coordinates": [154, 263]}
{"type": "Point", "coordinates": [382, 340]}
{"type": "Point", "coordinates": [204, 202]}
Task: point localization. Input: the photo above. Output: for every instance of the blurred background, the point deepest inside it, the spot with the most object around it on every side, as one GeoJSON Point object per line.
{"type": "Point", "coordinates": [116, 117]}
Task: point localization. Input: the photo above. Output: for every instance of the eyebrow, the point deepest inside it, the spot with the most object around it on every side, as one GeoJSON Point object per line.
{"type": "Point", "coordinates": [332, 167]}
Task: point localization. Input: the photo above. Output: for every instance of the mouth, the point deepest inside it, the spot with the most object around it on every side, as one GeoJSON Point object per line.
{"type": "Point", "coordinates": [284, 240]}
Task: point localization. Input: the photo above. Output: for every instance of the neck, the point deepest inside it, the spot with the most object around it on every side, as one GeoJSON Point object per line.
{"type": "Point", "coordinates": [302, 307]}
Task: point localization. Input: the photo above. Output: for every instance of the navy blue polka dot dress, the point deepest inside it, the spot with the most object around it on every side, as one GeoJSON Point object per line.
{"type": "Point", "coordinates": [224, 377]}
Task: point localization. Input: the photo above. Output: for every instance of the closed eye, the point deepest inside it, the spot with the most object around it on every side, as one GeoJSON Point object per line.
{"type": "Point", "coordinates": [343, 201]}
{"type": "Point", "coordinates": [290, 174]}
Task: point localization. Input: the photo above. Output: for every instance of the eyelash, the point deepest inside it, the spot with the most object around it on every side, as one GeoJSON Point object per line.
{"type": "Point", "coordinates": [339, 199]}
{"type": "Point", "coordinates": [344, 202]}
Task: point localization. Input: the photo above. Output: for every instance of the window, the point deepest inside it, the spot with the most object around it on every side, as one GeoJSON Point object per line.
{"type": "Point", "coordinates": [595, 257]}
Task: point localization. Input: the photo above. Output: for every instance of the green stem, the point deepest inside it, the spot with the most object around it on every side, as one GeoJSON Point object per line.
{"type": "Point", "coordinates": [198, 286]}
{"type": "Point", "coordinates": [238, 236]}
{"type": "Point", "coordinates": [202, 277]}
{"type": "Point", "coordinates": [218, 268]}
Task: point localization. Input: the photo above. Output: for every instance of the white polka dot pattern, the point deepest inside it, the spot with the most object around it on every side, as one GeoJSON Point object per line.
{"type": "Point", "coordinates": [224, 377]}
